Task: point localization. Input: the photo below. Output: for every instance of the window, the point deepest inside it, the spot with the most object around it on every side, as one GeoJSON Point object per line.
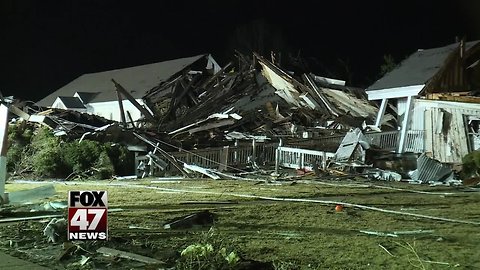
{"type": "Point", "coordinates": [473, 132]}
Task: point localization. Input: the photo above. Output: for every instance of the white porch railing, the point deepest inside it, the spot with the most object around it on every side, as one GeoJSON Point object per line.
{"type": "Point", "coordinates": [387, 140]}
{"type": "Point", "coordinates": [297, 158]}
{"type": "Point", "coordinates": [415, 141]}
{"type": "Point", "coordinates": [289, 157]}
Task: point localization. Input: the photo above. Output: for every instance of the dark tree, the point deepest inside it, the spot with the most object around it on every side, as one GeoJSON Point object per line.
{"type": "Point", "coordinates": [257, 36]}
{"type": "Point", "coordinates": [388, 65]}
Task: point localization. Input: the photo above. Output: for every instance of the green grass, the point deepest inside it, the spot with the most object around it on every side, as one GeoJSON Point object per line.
{"type": "Point", "coordinates": [293, 235]}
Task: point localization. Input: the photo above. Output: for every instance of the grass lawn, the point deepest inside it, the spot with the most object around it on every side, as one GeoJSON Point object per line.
{"type": "Point", "coordinates": [291, 235]}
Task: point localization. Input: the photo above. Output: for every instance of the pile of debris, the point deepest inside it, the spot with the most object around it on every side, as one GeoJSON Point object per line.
{"type": "Point", "coordinates": [252, 97]}
{"type": "Point", "coordinates": [249, 113]}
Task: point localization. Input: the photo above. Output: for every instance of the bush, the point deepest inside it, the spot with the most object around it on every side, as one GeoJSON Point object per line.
{"type": "Point", "coordinates": [103, 166]}
{"type": "Point", "coordinates": [471, 165]}
{"type": "Point", "coordinates": [19, 138]}
{"type": "Point", "coordinates": [41, 154]}
{"type": "Point", "coordinates": [122, 159]}
{"type": "Point", "coordinates": [80, 157]}
{"type": "Point", "coordinates": [91, 158]}
{"type": "Point", "coordinates": [46, 156]}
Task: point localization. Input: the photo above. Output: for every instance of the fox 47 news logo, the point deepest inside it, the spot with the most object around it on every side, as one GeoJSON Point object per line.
{"type": "Point", "coordinates": [87, 215]}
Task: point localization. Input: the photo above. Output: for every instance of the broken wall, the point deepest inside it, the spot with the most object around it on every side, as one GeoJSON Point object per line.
{"type": "Point", "coordinates": [445, 127]}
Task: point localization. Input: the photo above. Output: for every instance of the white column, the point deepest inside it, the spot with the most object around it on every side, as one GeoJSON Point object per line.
{"type": "Point", "coordinates": [381, 112]}
{"type": "Point", "coordinates": [405, 125]}
{"type": "Point", "coordinates": [3, 149]}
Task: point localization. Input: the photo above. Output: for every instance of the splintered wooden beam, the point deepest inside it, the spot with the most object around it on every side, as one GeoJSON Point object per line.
{"type": "Point", "coordinates": [122, 111]}
{"type": "Point", "coordinates": [320, 95]}
{"type": "Point", "coordinates": [15, 110]}
{"type": "Point", "coordinates": [217, 75]}
{"type": "Point", "coordinates": [127, 255]}
{"type": "Point", "coordinates": [130, 98]}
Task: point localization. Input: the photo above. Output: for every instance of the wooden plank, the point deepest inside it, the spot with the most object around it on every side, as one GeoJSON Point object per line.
{"type": "Point", "coordinates": [120, 106]}
{"type": "Point", "coordinates": [130, 98]}
{"type": "Point", "coordinates": [320, 95]}
{"type": "Point", "coordinates": [381, 112]}
{"type": "Point", "coordinates": [13, 109]}
{"type": "Point", "coordinates": [216, 124]}
{"type": "Point", "coordinates": [214, 77]}
{"type": "Point", "coordinates": [128, 255]}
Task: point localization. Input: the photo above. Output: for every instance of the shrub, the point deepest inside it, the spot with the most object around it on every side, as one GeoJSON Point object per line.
{"type": "Point", "coordinates": [103, 166]}
{"type": "Point", "coordinates": [80, 157]}
{"type": "Point", "coordinates": [42, 154]}
{"type": "Point", "coordinates": [121, 158]}
{"type": "Point", "coordinates": [90, 158]}
{"type": "Point", "coordinates": [46, 156]}
{"type": "Point", "coordinates": [19, 138]}
{"type": "Point", "coordinates": [471, 165]}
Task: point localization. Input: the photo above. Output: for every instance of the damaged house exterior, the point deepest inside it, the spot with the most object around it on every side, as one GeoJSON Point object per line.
{"type": "Point", "coordinates": [436, 95]}
{"type": "Point", "coordinates": [94, 93]}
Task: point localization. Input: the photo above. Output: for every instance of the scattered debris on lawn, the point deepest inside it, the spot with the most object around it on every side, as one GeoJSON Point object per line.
{"type": "Point", "coordinates": [56, 230]}
{"type": "Point", "coordinates": [204, 218]}
{"type": "Point", "coordinates": [127, 255]}
{"type": "Point", "coordinates": [430, 170]}
{"type": "Point", "coordinates": [31, 195]}
{"type": "Point", "coordinates": [397, 233]}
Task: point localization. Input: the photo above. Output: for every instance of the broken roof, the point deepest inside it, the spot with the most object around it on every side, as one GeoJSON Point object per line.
{"type": "Point", "coordinates": [418, 68]}
{"type": "Point", "coordinates": [137, 80]}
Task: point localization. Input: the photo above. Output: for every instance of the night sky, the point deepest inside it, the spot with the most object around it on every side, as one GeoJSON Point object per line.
{"type": "Point", "coordinates": [46, 44]}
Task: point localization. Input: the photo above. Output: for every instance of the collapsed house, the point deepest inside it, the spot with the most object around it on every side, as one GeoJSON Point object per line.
{"type": "Point", "coordinates": [240, 115]}
{"type": "Point", "coordinates": [436, 93]}
{"type": "Point", "coordinates": [257, 98]}
{"type": "Point", "coordinates": [250, 105]}
{"type": "Point", "coordinates": [254, 112]}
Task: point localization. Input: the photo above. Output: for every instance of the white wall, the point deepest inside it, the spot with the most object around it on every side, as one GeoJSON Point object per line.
{"type": "Point", "coordinates": [58, 104]}
{"type": "Point", "coordinates": [110, 110]}
{"type": "Point", "coordinates": [431, 115]}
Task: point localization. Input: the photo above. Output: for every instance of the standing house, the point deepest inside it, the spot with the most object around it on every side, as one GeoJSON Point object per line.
{"type": "Point", "coordinates": [436, 93]}
{"type": "Point", "coordinates": [95, 93]}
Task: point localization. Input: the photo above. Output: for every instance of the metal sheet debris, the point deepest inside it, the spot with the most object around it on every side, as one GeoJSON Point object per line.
{"type": "Point", "coordinates": [430, 170]}
{"type": "Point", "coordinates": [352, 148]}
{"type": "Point", "coordinates": [31, 195]}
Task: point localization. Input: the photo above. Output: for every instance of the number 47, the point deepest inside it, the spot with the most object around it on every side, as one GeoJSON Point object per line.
{"type": "Point", "coordinates": [80, 218]}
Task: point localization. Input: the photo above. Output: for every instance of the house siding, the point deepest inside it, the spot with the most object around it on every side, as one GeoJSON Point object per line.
{"type": "Point", "coordinates": [445, 127]}
{"type": "Point", "coordinates": [110, 110]}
